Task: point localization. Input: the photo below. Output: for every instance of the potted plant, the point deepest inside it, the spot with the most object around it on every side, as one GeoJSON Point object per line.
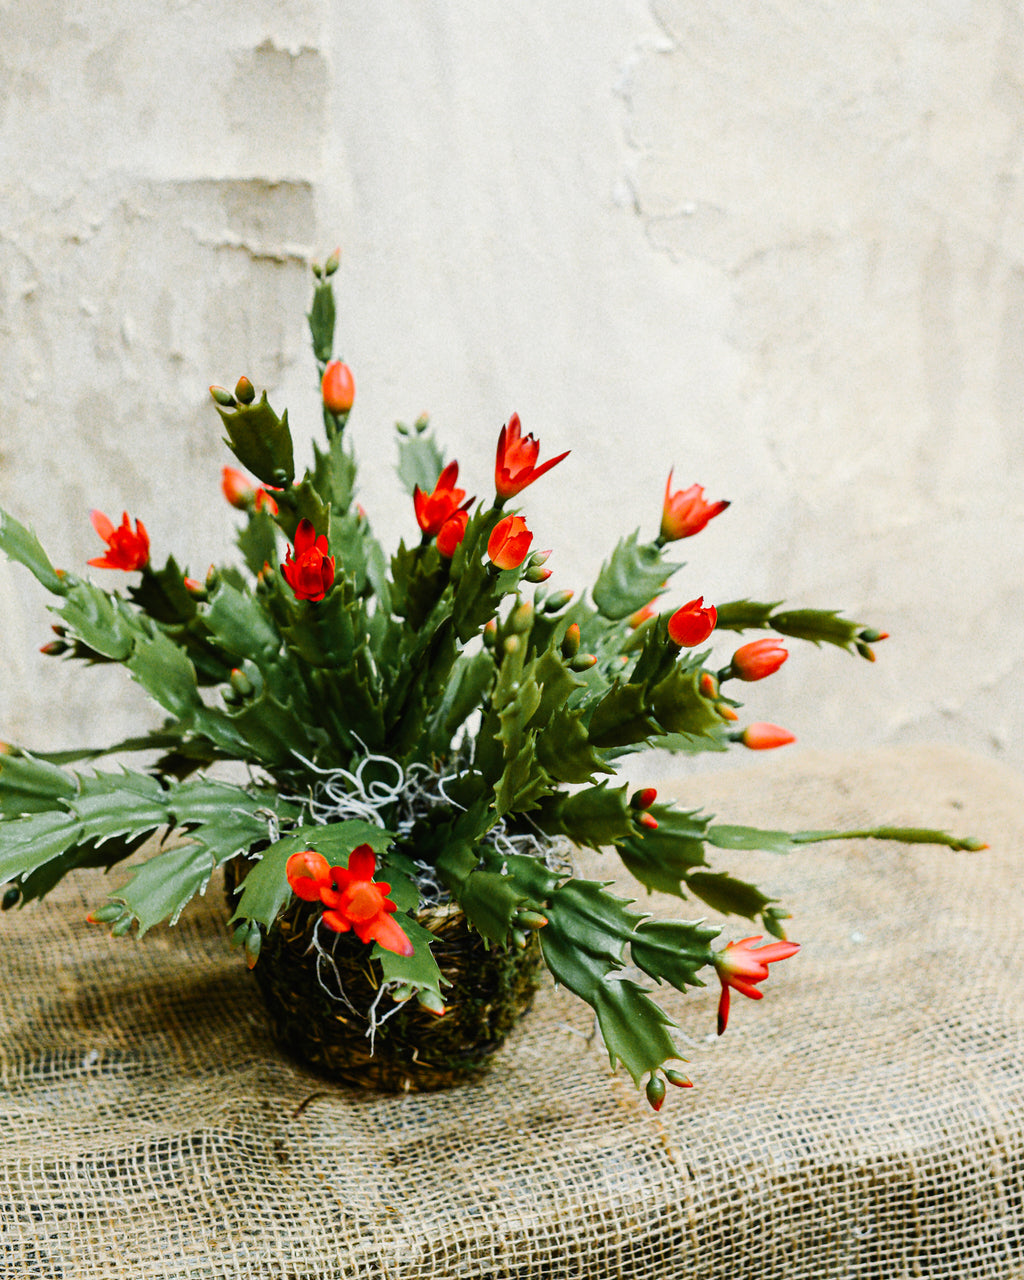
{"type": "Point", "coordinates": [428, 737]}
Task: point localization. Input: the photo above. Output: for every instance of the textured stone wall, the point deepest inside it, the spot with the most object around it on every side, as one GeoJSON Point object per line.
{"type": "Point", "coordinates": [778, 248]}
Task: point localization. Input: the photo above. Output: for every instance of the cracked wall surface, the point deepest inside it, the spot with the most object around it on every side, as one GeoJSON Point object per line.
{"type": "Point", "coordinates": [776, 247]}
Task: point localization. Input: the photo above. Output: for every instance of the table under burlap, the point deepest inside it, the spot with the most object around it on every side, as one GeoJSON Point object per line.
{"type": "Point", "coordinates": [865, 1120]}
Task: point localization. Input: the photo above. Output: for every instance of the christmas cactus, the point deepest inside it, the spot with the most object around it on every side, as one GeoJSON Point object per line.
{"type": "Point", "coordinates": [437, 721]}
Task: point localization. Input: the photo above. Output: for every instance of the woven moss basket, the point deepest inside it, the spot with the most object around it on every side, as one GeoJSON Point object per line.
{"type": "Point", "coordinates": [325, 1008]}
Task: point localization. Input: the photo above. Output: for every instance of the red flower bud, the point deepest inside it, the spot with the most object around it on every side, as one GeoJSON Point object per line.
{"type": "Point", "coordinates": [509, 543]}
{"type": "Point", "coordinates": [762, 737]}
{"type": "Point", "coordinates": [451, 533]}
{"type": "Point", "coordinates": [758, 659]}
{"type": "Point", "coordinates": [514, 465]}
{"type": "Point", "coordinates": [656, 1092]}
{"type": "Point", "coordinates": [644, 798]}
{"type": "Point", "coordinates": [310, 574]}
{"type": "Point", "coordinates": [641, 616]}
{"type": "Point", "coordinates": [240, 491]}
{"type": "Point", "coordinates": [692, 624]}
{"type": "Point", "coordinates": [127, 550]}
{"type": "Point", "coordinates": [685, 513]}
{"type": "Point", "coordinates": [338, 388]}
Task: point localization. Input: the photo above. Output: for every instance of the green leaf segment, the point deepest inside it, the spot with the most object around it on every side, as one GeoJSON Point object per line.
{"type": "Point", "coordinates": [514, 703]}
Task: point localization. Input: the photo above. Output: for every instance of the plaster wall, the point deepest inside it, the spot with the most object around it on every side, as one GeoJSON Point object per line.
{"type": "Point", "coordinates": [778, 248]}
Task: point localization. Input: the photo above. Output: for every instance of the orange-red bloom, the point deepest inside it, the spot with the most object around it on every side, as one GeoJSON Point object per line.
{"type": "Point", "coordinates": [451, 533]}
{"type": "Point", "coordinates": [758, 659]}
{"type": "Point", "coordinates": [310, 574]}
{"type": "Point", "coordinates": [433, 509]}
{"type": "Point", "coordinates": [685, 513]}
{"type": "Point", "coordinates": [514, 466]}
{"type": "Point", "coordinates": [509, 543]}
{"type": "Point", "coordinates": [741, 967]}
{"type": "Point", "coordinates": [763, 737]}
{"type": "Point", "coordinates": [338, 388]}
{"type": "Point", "coordinates": [352, 898]}
{"type": "Point", "coordinates": [126, 549]}
{"type": "Point", "coordinates": [693, 623]}
{"type": "Point", "coordinates": [240, 491]}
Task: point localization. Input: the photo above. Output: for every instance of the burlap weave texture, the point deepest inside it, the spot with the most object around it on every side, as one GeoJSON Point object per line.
{"type": "Point", "coordinates": [865, 1121]}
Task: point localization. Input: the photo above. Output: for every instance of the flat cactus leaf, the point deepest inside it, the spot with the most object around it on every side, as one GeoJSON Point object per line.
{"type": "Point", "coordinates": [662, 857]}
{"type": "Point", "coordinates": [418, 970]}
{"type": "Point", "coordinates": [31, 785]}
{"type": "Point", "coordinates": [119, 804]}
{"type": "Point", "coordinates": [257, 541]}
{"type": "Point", "coordinates": [673, 950]}
{"type": "Point", "coordinates": [727, 895]}
{"type": "Point", "coordinates": [634, 574]}
{"type": "Point", "coordinates": [261, 441]}
{"type": "Point", "coordinates": [100, 621]}
{"type": "Point", "coordinates": [265, 729]}
{"type": "Point", "coordinates": [680, 707]}
{"type": "Point", "coordinates": [420, 458]}
{"type": "Point", "coordinates": [303, 502]}
{"type": "Point", "coordinates": [165, 672]}
{"type": "Point", "coordinates": [594, 817]}
{"type": "Point", "coordinates": [19, 543]}
{"type": "Point", "coordinates": [819, 626]}
{"type": "Point", "coordinates": [564, 750]}
{"type": "Point", "coordinates": [240, 626]}
{"type": "Point", "coordinates": [162, 886]}
{"type": "Point", "coordinates": [623, 717]}
{"type": "Point", "coordinates": [161, 594]}
{"type": "Point", "coordinates": [30, 842]}
{"type": "Point", "coordinates": [744, 615]}
{"type": "Point", "coordinates": [321, 319]}
{"type": "Point", "coordinates": [583, 945]}
{"type": "Point", "coordinates": [557, 684]}
{"type": "Point", "coordinates": [471, 679]}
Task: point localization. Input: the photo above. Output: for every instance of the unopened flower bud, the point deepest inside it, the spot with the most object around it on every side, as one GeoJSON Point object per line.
{"type": "Point", "coordinates": [107, 914]}
{"type": "Point", "coordinates": [54, 648]}
{"type": "Point", "coordinates": [195, 588]}
{"type": "Point", "coordinates": [338, 388]}
{"type": "Point", "coordinates": [212, 578]}
{"type": "Point", "coordinates": [519, 939]}
{"type": "Point", "coordinates": [871, 636]}
{"type": "Point", "coordinates": [530, 920]}
{"type": "Point", "coordinates": [241, 683]}
{"type": "Point", "coordinates": [521, 618]}
{"type": "Point", "coordinates": [432, 1002]}
{"type": "Point", "coordinates": [571, 641]}
{"type": "Point", "coordinates": [708, 685]}
{"type": "Point", "coordinates": [11, 898]}
{"type": "Point", "coordinates": [655, 1092]}
{"type": "Point", "coordinates": [648, 820]}
{"type": "Point", "coordinates": [537, 575]}
{"type": "Point", "coordinates": [245, 392]}
{"type": "Point", "coordinates": [725, 711]}
{"type": "Point", "coordinates": [557, 601]}
{"type": "Point", "coordinates": [511, 644]}
{"type": "Point", "coordinates": [403, 992]}
{"type": "Point", "coordinates": [644, 798]}
{"type": "Point", "coordinates": [583, 662]}
{"type": "Point", "coordinates": [123, 925]}
{"type": "Point", "coordinates": [332, 263]}
{"type": "Point", "coordinates": [490, 633]}
{"type": "Point", "coordinates": [678, 1079]}
{"type": "Point", "coordinates": [253, 943]}
{"type": "Point", "coordinates": [223, 397]}
{"type": "Point", "coordinates": [763, 737]}
{"type": "Point", "coordinates": [864, 650]}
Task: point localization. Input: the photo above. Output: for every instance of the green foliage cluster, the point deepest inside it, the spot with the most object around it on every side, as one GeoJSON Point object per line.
{"type": "Point", "coordinates": [522, 699]}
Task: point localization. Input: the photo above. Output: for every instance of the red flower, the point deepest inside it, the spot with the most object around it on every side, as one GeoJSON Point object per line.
{"type": "Point", "coordinates": [433, 509]}
{"type": "Point", "coordinates": [693, 623]}
{"type": "Point", "coordinates": [354, 901]}
{"type": "Point", "coordinates": [763, 737]}
{"type": "Point", "coordinates": [509, 543]}
{"type": "Point", "coordinates": [514, 466]}
{"type": "Point", "coordinates": [240, 492]}
{"type": "Point", "coordinates": [338, 388]}
{"type": "Point", "coordinates": [126, 550]}
{"type": "Point", "coordinates": [758, 659]}
{"type": "Point", "coordinates": [451, 533]}
{"type": "Point", "coordinates": [741, 967]}
{"type": "Point", "coordinates": [311, 573]}
{"type": "Point", "coordinates": [308, 872]}
{"type": "Point", "coordinates": [686, 513]}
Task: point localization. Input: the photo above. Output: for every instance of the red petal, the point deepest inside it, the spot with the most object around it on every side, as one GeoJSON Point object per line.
{"type": "Point", "coordinates": [362, 862]}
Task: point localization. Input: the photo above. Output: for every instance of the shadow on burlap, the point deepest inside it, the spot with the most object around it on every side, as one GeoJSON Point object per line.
{"type": "Point", "coordinates": [864, 1121]}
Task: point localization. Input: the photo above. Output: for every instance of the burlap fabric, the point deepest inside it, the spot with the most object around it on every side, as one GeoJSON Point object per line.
{"type": "Point", "coordinates": [864, 1121]}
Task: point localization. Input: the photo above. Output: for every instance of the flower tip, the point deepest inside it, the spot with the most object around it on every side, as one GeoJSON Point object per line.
{"type": "Point", "coordinates": [646, 820]}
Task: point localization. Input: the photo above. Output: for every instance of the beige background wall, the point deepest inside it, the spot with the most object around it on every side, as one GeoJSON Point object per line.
{"type": "Point", "coordinates": [778, 247]}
